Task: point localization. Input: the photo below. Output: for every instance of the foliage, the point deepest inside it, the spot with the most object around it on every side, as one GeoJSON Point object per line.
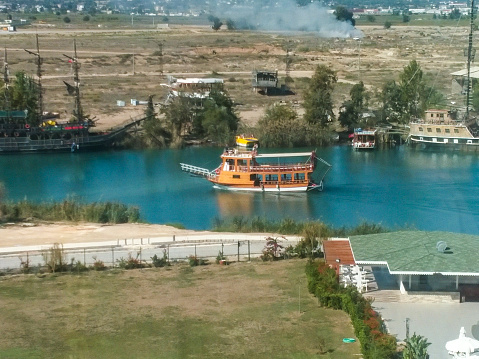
{"type": "Point", "coordinates": [66, 20]}
{"type": "Point", "coordinates": [220, 257]}
{"type": "Point", "coordinates": [351, 111]}
{"type": "Point", "coordinates": [230, 24]}
{"type": "Point", "coordinates": [86, 18]}
{"type": "Point", "coordinates": [54, 258]}
{"type": "Point", "coordinates": [70, 210]}
{"type": "Point", "coordinates": [154, 129]}
{"type": "Point", "coordinates": [216, 22]}
{"type": "Point", "coordinates": [313, 234]}
{"type": "Point", "coordinates": [272, 250]}
{"type": "Point", "coordinates": [406, 18]}
{"type": "Point", "coordinates": [130, 262]}
{"type": "Point", "coordinates": [98, 265]}
{"type": "Point", "coordinates": [194, 261]}
{"type": "Point", "coordinates": [416, 347]}
{"type": "Point", "coordinates": [160, 262]}
{"type": "Point", "coordinates": [22, 95]}
{"type": "Point", "coordinates": [78, 266]}
{"type": "Point", "coordinates": [387, 24]}
{"type": "Point", "coordinates": [281, 127]}
{"type": "Point", "coordinates": [371, 18]}
{"type": "Point", "coordinates": [343, 14]}
{"type": "Point", "coordinates": [217, 119]}
{"type": "Point", "coordinates": [368, 325]}
{"type": "Point", "coordinates": [179, 116]}
{"type": "Point", "coordinates": [318, 102]}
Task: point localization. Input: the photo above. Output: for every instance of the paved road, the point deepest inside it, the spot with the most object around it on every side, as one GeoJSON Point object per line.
{"type": "Point", "coordinates": [438, 322]}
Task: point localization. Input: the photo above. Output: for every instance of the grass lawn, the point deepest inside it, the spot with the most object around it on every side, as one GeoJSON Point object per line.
{"type": "Point", "coordinates": [245, 310]}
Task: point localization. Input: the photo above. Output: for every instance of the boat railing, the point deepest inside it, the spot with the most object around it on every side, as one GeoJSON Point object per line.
{"type": "Point", "coordinates": [199, 171]}
{"type": "Point", "coordinates": [276, 168]}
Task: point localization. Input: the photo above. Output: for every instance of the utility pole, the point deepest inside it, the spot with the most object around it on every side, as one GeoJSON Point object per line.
{"type": "Point", "coordinates": [6, 81]}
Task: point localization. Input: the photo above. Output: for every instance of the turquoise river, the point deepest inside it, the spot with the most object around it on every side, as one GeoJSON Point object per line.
{"type": "Point", "coordinates": [395, 187]}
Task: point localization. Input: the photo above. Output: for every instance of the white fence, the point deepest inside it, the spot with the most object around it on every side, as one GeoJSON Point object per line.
{"type": "Point", "coordinates": [233, 247]}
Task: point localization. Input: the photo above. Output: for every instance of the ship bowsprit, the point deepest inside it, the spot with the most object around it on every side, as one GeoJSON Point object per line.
{"type": "Point", "coordinates": [197, 171]}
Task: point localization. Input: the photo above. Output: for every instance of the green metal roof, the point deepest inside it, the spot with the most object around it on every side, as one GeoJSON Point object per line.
{"type": "Point", "coordinates": [415, 252]}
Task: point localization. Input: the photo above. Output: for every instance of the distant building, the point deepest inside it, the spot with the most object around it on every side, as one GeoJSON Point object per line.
{"type": "Point", "coordinates": [196, 89]}
{"type": "Point", "coordinates": [264, 81]}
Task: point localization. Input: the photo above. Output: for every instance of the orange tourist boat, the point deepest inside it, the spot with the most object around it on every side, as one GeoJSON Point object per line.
{"type": "Point", "coordinates": [271, 172]}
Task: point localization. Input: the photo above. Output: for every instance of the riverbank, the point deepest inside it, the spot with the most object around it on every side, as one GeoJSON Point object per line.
{"type": "Point", "coordinates": [27, 234]}
{"type": "Point", "coordinates": [32, 234]}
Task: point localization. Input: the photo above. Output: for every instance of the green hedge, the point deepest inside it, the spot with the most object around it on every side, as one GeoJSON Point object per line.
{"type": "Point", "coordinates": [369, 328]}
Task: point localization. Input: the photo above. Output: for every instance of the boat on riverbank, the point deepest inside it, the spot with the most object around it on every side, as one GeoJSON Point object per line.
{"type": "Point", "coordinates": [53, 136]}
{"type": "Point", "coordinates": [364, 139]}
{"type": "Point", "coordinates": [39, 131]}
{"type": "Point", "coordinates": [246, 141]}
{"type": "Point", "coordinates": [442, 128]}
{"type": "Point", "coordinates": [271, 172]}
{"type": "Point", "coordinates": [454, 129]}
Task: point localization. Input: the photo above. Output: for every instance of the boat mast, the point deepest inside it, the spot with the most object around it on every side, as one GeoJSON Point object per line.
{"type": "Point", "coordinates": [78, 111]}
{"type": "Point", "coordinates": [38, 62]}
{"type": "Point", "coordinates": [6, 81]}
{"type": "Point", "coordinates": [469, 60]}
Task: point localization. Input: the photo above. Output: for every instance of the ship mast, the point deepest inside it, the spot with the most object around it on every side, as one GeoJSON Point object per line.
{"type": "Point", "coordinates": [78, 111]}
{"type": "Point", "coordinates": [38, 62]}
{"type": "Point", "coordinates": [469, 60]}
{"type": "Point", "coordinates": [6, 81]}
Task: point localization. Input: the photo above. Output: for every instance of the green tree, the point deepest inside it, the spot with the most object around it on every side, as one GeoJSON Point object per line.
{"type": "Point", "coordinates": [351, 111]}
{"type": "Point", "coordinates": [179, 115]}
{"type": "Point", "coordinates": [390, 99]}
{"type": "Point", "coordinates": [455, 14]}
{"type": "Point", "coordinates": [405, 18]}
{"type": "Point", "coordinates": [343, 14]}
{"type": "Point", "coordinates": [230, 24]}
{"type": "Point", "coordinates": [371, 18]}
{"type": "Point", "coordinates": [216, 22]}
{"type": "Point", "coordinates": [217, 120]}
{"type": "Point", "coordinates": [66, 19]}
{"type": "Point", "coordinates": [154, 129]}
{"type": "Point", "coordinates": [412, 91]}
{"type": "Point", "coordinates": [86, 18]}
{"type": "Point", "coordinates": [318, 102]}
{"type": "Point", "coordinates": [387, 24]}
{"type": "Point", "coordinates": [24, 96]}
{"type": "Point", "coordinates": [416, 347]}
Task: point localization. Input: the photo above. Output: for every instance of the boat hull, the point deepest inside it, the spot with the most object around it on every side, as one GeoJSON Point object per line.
{"type": "Point", "coordinates": [274, 189]}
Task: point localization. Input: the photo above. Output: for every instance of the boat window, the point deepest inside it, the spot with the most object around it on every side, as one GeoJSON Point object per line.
{"type": "Point", "coordinates": [285, 177]}
{"type": "Point", "coordinates": [299, 176]}
{"type": "Point", "coordinates": [447, 130]}
{"type": "Point", "coordinates": [469, 142]}
{"type": "Point", "coordinates": [421, 129]}
{"type": "Point", "coordinates": [236, 176]}
{"type": "Point", "coordinates": [438, 130]}
{"type": "Point", "coordinates": [241, 162]}
{"type": "Point", "coordinates": [429, 129]}
{"type": "Point", "coordinates": [272, 178]}
{"type": "Point", "coordinates": [456, 130]}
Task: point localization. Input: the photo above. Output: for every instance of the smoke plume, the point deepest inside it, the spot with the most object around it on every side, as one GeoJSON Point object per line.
{"type": "Point", "coordinates": [286, 15]}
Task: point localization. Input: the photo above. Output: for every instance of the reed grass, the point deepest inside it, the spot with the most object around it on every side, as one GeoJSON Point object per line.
{"type": "Point", "coordinates": [291, 226]}
{"type": "Point", "coordinates": [71, 209]}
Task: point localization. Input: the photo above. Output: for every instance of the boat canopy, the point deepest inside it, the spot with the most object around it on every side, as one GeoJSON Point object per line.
{"type": "Point", "coordinates": [277, 155]}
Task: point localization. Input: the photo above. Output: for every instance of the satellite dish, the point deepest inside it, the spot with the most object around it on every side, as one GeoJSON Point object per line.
{"type": "Point", "coordinates": [441, 246]}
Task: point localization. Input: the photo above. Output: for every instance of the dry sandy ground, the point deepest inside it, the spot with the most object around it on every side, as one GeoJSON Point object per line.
{"type": "Point", "coordinates": [30, 234]}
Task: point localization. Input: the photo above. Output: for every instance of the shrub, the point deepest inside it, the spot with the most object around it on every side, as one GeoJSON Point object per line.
{"type": "Point", "coordinates": [130, 262]}
{"type": "Point", "coordinates": [160, 262]}
{"type": "Point", "coordinates": [194, 261]}
{"type": "Point", "coordinates": [55, 258]}
{"type": "Point", "coordinates": [98, 265]}
{"type": "Point", "coordinates": [66, 20]}
{"type": "Point", "coordinates": [272, 250]}
{"type": "Point", "coordinates": [78, 266]}
{"type": "Point", "coordinates": [220, 257]}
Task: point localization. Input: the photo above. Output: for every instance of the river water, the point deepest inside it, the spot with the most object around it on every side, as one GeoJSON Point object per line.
{"type": "Point", "coordinates": [395, 187]}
